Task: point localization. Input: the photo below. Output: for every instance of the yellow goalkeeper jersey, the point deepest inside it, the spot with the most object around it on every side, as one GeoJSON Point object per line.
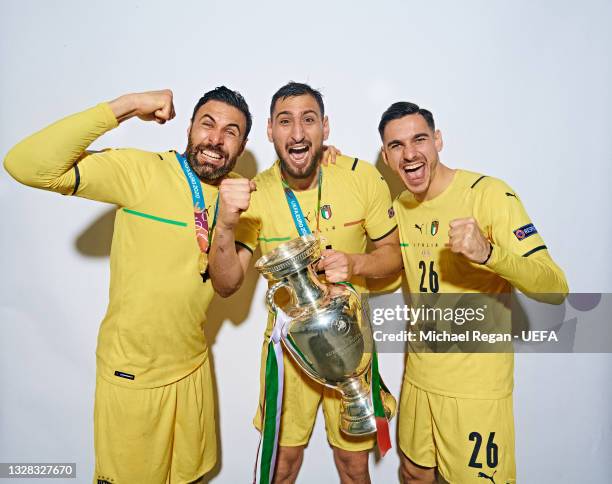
{"type": "Point", "coordinates": [519, 258]}
{"type": "Point", "coordinates": [152, 333]}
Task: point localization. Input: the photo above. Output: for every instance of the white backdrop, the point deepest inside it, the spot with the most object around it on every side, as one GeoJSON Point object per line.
{"type": "Point", "coordinates": [519, 89]}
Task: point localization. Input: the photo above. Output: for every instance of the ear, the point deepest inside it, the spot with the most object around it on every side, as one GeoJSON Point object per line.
{"type": "Point", "coordinates": [325, 128]}
{"type": "Point", "coordinates": [384, 156]}
{"type": "Point", "coordinates": [270, 130]}
{"type": "Point", "coordinates": [242, 146]}
{"type": "Point", "coordinates": [438, 140]}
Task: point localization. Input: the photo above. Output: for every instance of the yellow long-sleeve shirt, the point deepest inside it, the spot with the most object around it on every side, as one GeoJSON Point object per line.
{"type": "Point", "coordinates": [152, 333]}
{"type": "Point", "coordinates": [519, 258]}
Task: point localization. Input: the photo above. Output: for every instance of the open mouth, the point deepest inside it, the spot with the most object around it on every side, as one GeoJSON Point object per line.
{"type": "Point", "coordinates": [298, 152]}
{"type": "Point", "coordinates": [414, 171]}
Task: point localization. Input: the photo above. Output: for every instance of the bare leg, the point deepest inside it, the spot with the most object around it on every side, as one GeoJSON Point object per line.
{"type": "Point", "coordinates": [352, 466]}
{"type": "Point", "coordinates": [288, 463]}
{"type": "Point", "coordinates": [415, 474]}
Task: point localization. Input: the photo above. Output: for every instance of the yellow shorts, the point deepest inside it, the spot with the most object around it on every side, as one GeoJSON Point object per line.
{"type": "Point", "coordinates": [301, 398]}
{"type": "Point", "coordinates": [155, 435]}
{"type": "Point", "coordinates": [468, 440]}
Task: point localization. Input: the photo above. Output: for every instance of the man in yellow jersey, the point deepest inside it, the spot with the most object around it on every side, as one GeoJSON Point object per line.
{"type": "Point", "coordinates": [345, 203]}
{"type": "Point", "coordinates": [460, 232]}
{"type": "Point", "coordinates": [154, 416]}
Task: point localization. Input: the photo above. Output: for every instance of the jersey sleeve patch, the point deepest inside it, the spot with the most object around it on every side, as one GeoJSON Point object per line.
{"type": "Point", "coordinates": [525, 231]}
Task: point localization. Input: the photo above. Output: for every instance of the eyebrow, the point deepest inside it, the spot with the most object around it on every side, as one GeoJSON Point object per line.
{"type": "Point", "coordinates": [231, 125]}
{"type": "Point", "coordinates": [309, 111]}
{"type": "Point", "coordinates": [418, 135]}
{"type": "Point", "coordinates": [394, 141]}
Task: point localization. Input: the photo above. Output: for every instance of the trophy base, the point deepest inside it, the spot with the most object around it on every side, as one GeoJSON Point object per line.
{"type": "Point", "coordinates": [357, 414]}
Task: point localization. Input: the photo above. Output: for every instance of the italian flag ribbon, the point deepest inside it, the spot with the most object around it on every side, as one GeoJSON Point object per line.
{"type": "Point", "coordinates": [383, 439]}
{"type": "Point", "coordinates": [273, 400]}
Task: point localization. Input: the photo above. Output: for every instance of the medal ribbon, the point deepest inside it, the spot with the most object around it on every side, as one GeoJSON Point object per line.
{"type": "Point", "coordinates": [199, 212]}
{"type": "Point", "coordinates": [299, 220]}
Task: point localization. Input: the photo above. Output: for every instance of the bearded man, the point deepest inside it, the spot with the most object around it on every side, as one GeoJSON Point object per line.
{"type": "Point", "coordinates": [154, 416]}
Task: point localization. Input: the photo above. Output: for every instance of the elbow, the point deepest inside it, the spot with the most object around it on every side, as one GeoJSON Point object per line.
{"type": "Point", "coordinates": [556, 296]}
{"type": "Point", "coordinates": [15, 163]}
{"type": "Point", "coordinates": [11, 165]}
{"type": "Point", "coordinates": [563, 291]}
{"type": "Point", "coordinates": [224, 288]}
{"type": "Point", "coordinates": [224, 292]}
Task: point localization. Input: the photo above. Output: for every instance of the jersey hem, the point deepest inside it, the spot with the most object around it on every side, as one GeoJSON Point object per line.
{"type": "Point", "coordinates": [105, 372]}
{"type": "Point", "coordinates": [415, 462]}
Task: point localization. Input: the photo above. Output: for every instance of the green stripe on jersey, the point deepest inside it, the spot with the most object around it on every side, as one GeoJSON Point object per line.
{"type": "Point", "coordinates": [274, 239]}
{"type": "Point", "coordinates": [157, 219]}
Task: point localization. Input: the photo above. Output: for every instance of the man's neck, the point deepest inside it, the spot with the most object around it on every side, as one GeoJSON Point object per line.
{"type": "Point", "coordinates": [441, 180]}
{"type": "Point", "coordinates": [301, 184]}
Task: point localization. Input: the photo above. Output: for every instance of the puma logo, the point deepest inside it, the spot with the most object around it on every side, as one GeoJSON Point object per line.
{"type": "Point", "coordinates": [420, 227]}
{"type": "Point", "coordinates": [484, 476]}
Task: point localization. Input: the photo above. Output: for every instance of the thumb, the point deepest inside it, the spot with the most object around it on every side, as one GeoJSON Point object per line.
{"type": "Point", "coordinates": [163, 113]}
{"type": "Point", "coordinates": [159, 116]}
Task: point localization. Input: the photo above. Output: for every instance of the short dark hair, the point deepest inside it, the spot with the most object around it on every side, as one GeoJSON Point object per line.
{"type": "Point", "coordinates": [399, 110]}
{"type": "Point", "coordinates": [227, 96]}
{"type": "Point", "coordinates": [292, 89]}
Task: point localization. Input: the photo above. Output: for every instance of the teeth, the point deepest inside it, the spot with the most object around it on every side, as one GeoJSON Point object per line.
{"type": "Point", "coordinates": [211, 154]}
{"type": "Point", "coordinates": [413, 167]}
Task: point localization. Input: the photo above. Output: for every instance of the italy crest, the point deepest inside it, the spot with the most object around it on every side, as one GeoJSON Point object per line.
{"type": "Point", "coordinates": [326, 212]}
{"type": "Point", "coordinates": [434, 227]}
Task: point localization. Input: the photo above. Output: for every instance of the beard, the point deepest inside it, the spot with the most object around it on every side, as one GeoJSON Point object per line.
{"type": "Point", "coordinates": [308, 171]}
{"type": "Point", "coordinates": [208, 172]}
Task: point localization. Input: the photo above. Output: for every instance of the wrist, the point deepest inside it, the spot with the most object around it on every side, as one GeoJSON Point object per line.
{"type": "Point", "coordinates": [225, 228]}
{"type": "Point", "coordinates": [124, 107]}
{"type": "Point", "coordinates": [488, 257]}
{"type": "Point", "coordinates": [356, 263]}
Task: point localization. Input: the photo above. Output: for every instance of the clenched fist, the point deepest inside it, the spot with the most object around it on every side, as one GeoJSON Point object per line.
{"type": "Point", "coordinates": [465, 237]}
{"type": "Point", "coordinates": [149, 106]}
{"type": "Point", "coordinates": [234, 198]}
{"type": "Point", "coordinates": [338, 266]}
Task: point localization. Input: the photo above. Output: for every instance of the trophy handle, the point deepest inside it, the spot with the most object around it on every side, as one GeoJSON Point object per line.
{"type": "Point", "coordinates": [271, 292]}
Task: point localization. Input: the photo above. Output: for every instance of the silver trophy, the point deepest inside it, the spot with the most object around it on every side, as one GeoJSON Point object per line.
{"type": "Point", "coordinates": [328, 334]}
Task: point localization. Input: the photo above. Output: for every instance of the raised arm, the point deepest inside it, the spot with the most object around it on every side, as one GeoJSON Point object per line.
{"type": "Point", "coordinates": [48, 158]}
{"type": "Point", "coordinates": [508, 243]}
